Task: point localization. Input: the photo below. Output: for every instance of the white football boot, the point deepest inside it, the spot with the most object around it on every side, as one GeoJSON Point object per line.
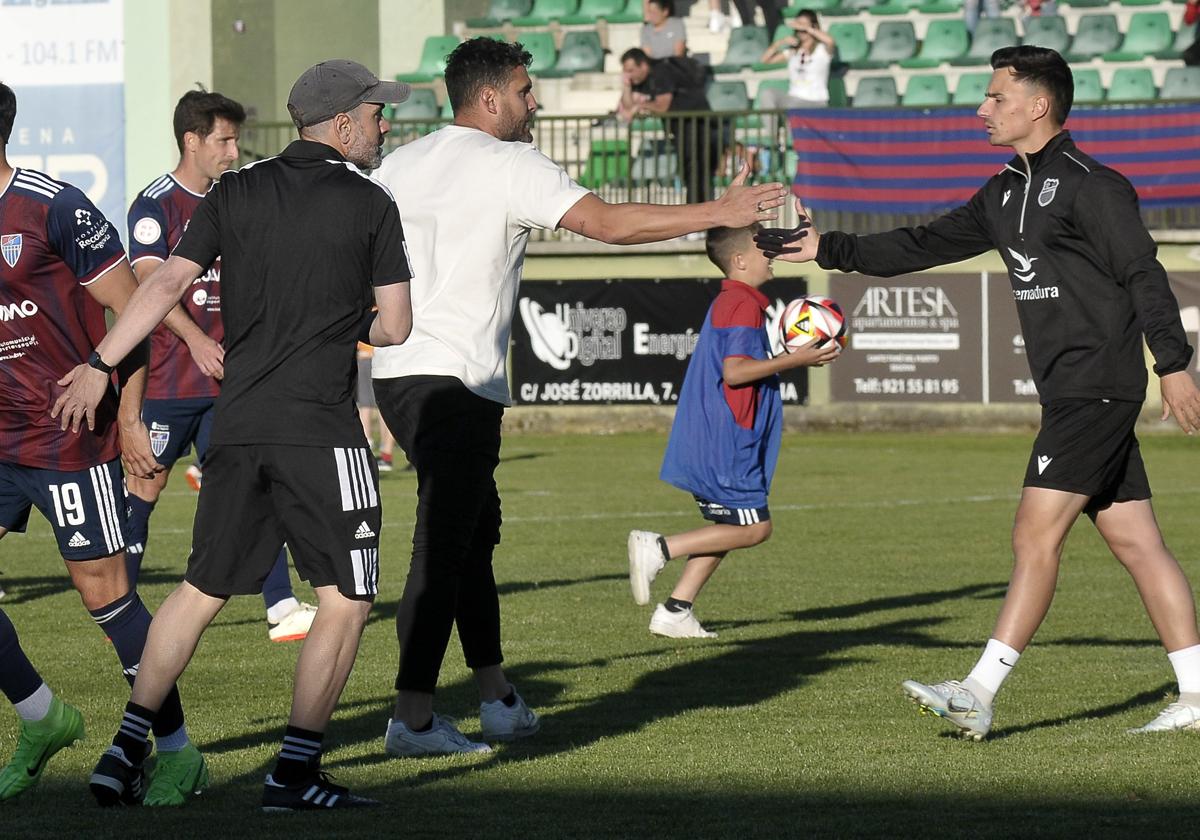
{"type": "Point", "coordinates": [678, 625]}
{"type": "Point", "coordinates": [645, 562]}
{"type": "Point", "coordinates": [1176, 717]}
{"type": "Point", "coordinates": [954, 702]}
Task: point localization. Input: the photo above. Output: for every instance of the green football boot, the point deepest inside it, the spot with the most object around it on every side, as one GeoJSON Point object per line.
{"type": "Point", "coordinates": [38, 741]}
{"type": "Point", "coordinates": [176, 776]}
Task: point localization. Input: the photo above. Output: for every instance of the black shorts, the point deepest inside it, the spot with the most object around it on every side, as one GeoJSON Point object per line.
{"type": "Point", "coordinates": [323, 502]}
{"type": "Point", "coordinates": [726, 515]}
{"type": "Point", "coordinates": [1088, 447]}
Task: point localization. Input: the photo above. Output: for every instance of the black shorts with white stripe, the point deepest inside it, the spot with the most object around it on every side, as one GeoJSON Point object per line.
{"type": "Point", "coordinates": [323, 502]}
{"type": "Point", "coordinates": [726, 515]}
{"type": "Point", "coordinates": [86, 508]}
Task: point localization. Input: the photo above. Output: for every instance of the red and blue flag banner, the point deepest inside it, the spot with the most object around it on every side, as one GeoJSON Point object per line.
{"type": "Point", "coordinates": [899, 161]}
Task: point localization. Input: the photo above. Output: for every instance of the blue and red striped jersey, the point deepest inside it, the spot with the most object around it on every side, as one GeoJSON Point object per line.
{"type": "Point", "coordinates": [53, 243]}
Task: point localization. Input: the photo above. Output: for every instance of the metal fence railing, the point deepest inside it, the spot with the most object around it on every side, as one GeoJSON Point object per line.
{"type": "Point", "coordinates": [687, 157]}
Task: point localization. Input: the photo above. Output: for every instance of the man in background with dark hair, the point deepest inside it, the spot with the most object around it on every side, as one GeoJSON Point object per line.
{"type": "Point", "coordinates": [443, 394]}
{"type": "Point", "coordinates": [1088, 287]}
{"type": "Point", "coordinates": [185, 351]}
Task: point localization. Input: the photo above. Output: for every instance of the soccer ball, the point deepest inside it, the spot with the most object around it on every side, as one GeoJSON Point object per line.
{"type": "Point", "coordinates": [812, 318]}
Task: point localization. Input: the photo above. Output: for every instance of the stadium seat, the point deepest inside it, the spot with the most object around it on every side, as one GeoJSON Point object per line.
{"type": "Point", "coordinates": [746, 46]}
{"type": "Point", "coordinates": [940, 7]}
{"type": "Point", "coordinates": [420, 105]}
{"type": "Point", "coordinates": [1049, 32]}
{"type": "Point", "coordinates": [500, 11]}
{"type": "Point", "coordinates": [851, 38]}
{"type": "Point", "coordinates": [728, 96]}
{"type": "Point", "coordinates": [1094, 35]}
{"type": "Point", "coordinates": [656, 163]}
{"type": "Point", "coordinates": [1088, 88]}
{"type": "Point", "coordinates": [433, 59]}
{"type": "Point", "coordinates": [895, 40]}
{"type": "Point", "coordinates": [926, 91]}
{"type": "Point", "coordinates": [631, 14]}
{"type": "Point", "coordinates": [591, 11]}
{"type": "Point", "coordinates": [1132, 84]}
{"type": "Point", "coordinates": [889, 8]}
{"type": "Point", "coordinates": [945, 40]}
{"type": "Point", "coordinates": [581, 53]}
{"type": "Point", "coordinates": [545, 11]}
{"type": "Point", "coordinates": [819, 6]}
{"type": "Point", "coordinates": [1085, 4]}
{"type": "Point", "coordinates": [1183, 39]}
{"type": "Point", "coordinates": [876, 92]}
{"type": "Point", "coordinates": [990, 35]}
{"type": "Point", "coordinates": [971, 88]}
{"type": "Point", "coordinates": [1148, 33]}
{"type": "Point", "coordinates": [540, 45]}
{"type": "Point", "coordinates": [607, 162]}
{"type": "Point", "coordinates": [1181, 83]}
{"type": "Point", "coordinates": [1140, 2]}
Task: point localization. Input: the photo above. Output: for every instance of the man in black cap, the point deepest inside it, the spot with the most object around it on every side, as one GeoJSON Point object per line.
{"type": "Point", "coordinates": [287, 459]}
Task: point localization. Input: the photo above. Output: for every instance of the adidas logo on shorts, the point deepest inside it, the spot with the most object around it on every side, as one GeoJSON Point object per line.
{"type": "Point", "coordinates": [78, 541]}
{"type": "Point", "coordinates": [364, 532]}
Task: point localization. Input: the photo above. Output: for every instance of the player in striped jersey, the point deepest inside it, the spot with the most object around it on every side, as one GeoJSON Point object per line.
{"type": "Point", "coordinates": [61, 265]}
{"type": "Point", "coordinates": [186, 356]}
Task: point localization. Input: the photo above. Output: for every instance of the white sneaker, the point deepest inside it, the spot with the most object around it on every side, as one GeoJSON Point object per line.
{"type": "Point", "coordinates": [294, 626]}
{"type": "Point", "coordinates": [677, 625]}
{"type": "Point", "coordinates": [717, 21]}
{"type": "Point", "coordinates": [954, 702]}
{"type": "Point", "coordinates": [645, 562]}
{"type": "Point", "coordinates": [442, 738]}
{"type": "Point", "coordinates": [498, 722]}
{"type": "Point", "coordinates": [195, 477]}
{"type": "Point", "coordinates": [1176, 717]}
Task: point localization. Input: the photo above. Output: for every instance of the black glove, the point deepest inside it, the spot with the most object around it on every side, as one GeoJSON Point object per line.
{"type": "Point", "coordinates": [775, 241]}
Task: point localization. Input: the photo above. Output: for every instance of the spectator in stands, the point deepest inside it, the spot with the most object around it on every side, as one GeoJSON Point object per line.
{"type": "Point", "coordinates": [1038, 8]}
{"type": "Point", "coordinates": [1191, 14]}
{"type": "Point", "coordinates": [809, 54]}
{"type": "Point", "coordinates": [656, 87]}
{"type": "Point", "coordinates": [772, 13]}
{"type": "Point", "coordinates": [991, 8]}
{"type": "Point", "coordinates": [718, 20]}
{"type": "Point", "coordinates": [663, 34]}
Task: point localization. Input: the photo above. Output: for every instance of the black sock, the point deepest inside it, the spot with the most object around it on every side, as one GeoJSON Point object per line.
{"type": "Point", "coordinates": [675, 605]}
{"type": "Point", "coordinates": [428, 725]}
{"type": "Point", "coordinates": [510, 699]}
{"type": "Point", "coordinates": [134, 733]}
{"type": "Point", "coordinates": [662, 545]}
{"type": "Point", "coordinates": [299, 756]}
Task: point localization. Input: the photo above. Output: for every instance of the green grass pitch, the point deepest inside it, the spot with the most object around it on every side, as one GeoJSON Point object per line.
{"type": "Point", "coordinates": [889, 560]}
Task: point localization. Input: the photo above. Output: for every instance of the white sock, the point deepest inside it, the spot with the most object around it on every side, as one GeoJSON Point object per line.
{"type": "Point", "coordinates": [991, 670]}
{"type": "Point", "coordinates": [36, 706]}
{"type": "Point", "coordinates": [277, 612]}
{"type": "Point", "coordinates": [174, 742]}
{"type": "Point", "coordinates": [1186, 662]}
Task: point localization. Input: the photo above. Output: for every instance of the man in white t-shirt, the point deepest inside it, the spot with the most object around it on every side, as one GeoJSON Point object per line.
{"type": "Point", "coordinates": [469, 194]}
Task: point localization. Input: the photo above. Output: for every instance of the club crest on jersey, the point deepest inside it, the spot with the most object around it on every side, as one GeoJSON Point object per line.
{"type": "Point", "coordinates": [10, 248]}
{"type": "Point", "coordinates": [158, 440]}
{"type": "Point", "coordinates": [1049, 188]}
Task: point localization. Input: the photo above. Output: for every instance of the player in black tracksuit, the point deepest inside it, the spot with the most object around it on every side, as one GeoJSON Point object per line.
{"type": "Point", "coordinates": [1087, 286]}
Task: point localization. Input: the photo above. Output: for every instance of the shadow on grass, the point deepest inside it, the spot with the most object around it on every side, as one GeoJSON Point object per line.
{"type": "Point", "coordinates": [23, 590]}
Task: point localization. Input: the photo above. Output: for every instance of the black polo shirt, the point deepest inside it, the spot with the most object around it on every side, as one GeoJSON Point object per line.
{"type": "Point", "coordinates": [303, 239]}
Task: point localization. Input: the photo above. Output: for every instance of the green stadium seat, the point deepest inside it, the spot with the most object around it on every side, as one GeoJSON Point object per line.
{"type": "Point", "coordinates": [887, 9]}
{"type": "Point", "coordinates": [631, 14]}
{"type": "Point", "coordinates": [819, 6]}
{"type": "Point", "coordinates": [1049, 32]}
{"type": "Point", "coordinates": [541, 46]}
{"type": "Point", "coordinates": [765, 85]}
{"type": "Point", "coordinates": [1088, 88]}
{"type": "Point", "coordinates": [926, 91]}
{"type": "Point", "coordinates": [500, 11]}
{"type": "Point", "coordinates": [971, 88]}
{"type": "Point", "coordinates": [746, 46]}
{"type": "Point", "coordinates": [1183, 39]}
{"type": "Point", "coordinates": [655, 163]}
{"type": "Point", "coordinates": [1181, 83]}
{"type": "Point", "coordinates": [580, 53]}
{"type": "Point", "coordinates": [1094, 35]}
{"type": "Point", "coordinates": [1148, 33]}
{"type": "Point", "coordinates": [1140, 2]}
{"type": "Point", "coordinates": [856, 6]}
{"type": "Point", "coordinates": [940, 7]}
{"type": "Point", "coordinates": [545, 11]}
{"type": "Point", "coordinates": [433, 59]}
{"type": "Point", "coordinates": [895, 40]}
{"type": "Point", "coordinates": [607, 162]}
{"type": "Point", "coordinates": [990, 35]}
{"type": "Point", "coordinates": [1132, 84]}
{"type": "Point", "coordinates": [1085, 4]}
{"type": "Point", "coordinates": [851, 40]}
{"type": "Point", "coordinates": [728, 96]}
{"type": "Point", "coordinates": [876, 92]}
{"type": "Point", "coordinates": [945, 40]}
{"type": "Point", "coordinates": [591, 11]}
{"type": "Point", "coordinates": [420, 105]}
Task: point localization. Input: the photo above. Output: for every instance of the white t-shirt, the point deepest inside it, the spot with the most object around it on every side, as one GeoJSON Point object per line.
{"type": "Point", "coordinates": [808, 75]}
{"type": "Point", "coordinates": [467, 202]}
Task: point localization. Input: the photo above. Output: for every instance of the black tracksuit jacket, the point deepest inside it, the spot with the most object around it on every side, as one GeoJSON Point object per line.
{"type": "Point", "coordinates": [1084, 271]}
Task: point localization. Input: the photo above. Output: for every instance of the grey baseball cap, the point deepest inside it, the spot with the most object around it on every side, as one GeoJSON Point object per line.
{"type": "Point", "coordinates": [336, 87]}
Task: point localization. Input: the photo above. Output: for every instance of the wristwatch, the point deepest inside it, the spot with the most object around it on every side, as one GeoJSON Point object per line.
{"type": "Point", "coordinates": [95, 361]}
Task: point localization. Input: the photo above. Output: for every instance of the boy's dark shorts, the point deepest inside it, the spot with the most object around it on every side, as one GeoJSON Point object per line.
{"type": "Point", "coordinates": [726, 515]}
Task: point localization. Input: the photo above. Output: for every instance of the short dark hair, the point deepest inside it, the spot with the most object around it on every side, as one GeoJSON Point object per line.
{"type": "Point", "coordinates": [479, 63]}
{"type": "Point", "coordinates": [722, 243]}
{"type": "Point", "coordinates": [1044, 68]}
{"type": "Point", "coordinates": [638, 55]}
{"type": "Point", "coordinates": [198, 110]}
{"type": "Point", "coordinates": [8, 112]}
{"type": "Point", "coordinates": [811, 15]}
{"type": "Point", "coordinates": [666, 5]}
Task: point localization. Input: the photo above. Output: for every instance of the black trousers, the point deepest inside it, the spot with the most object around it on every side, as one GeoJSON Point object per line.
{"type": "Point", "coordinates": [452, 438]}
{"type": "Point", "coordinates": [772, 14]}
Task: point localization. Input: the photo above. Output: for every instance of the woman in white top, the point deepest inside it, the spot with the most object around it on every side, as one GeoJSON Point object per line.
{"type": "Point", "coordinates": [809, 54]}
{"type": "Point", "coordinates": [663, 34]}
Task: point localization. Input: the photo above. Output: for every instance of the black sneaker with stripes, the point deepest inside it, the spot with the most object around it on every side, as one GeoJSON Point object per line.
{"type": "Point", "coordinates": [117, 782]}
{"type": "Point", "coordinates": [314, 793]}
